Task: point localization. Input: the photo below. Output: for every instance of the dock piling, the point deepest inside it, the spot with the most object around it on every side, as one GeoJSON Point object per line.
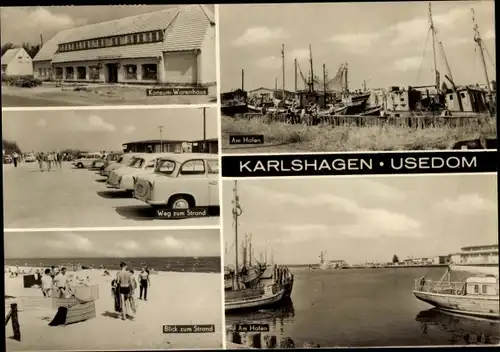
{"type": "Point", "coordinates": [15, 322]}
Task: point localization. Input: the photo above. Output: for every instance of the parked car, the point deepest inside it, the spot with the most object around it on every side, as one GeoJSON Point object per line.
{"type": "Point", "coordinates": [122, 161]}
{"type": "Point", "coordinates": [110, 157]}
{"type": "Point", "coordinates": [181, 181]}
{"type": "Point", "coordinates": [29, 158]}
{"type": "Point", "coordinates": [87, 160]}
{"type": "Point", "coordinates": [123, 177]}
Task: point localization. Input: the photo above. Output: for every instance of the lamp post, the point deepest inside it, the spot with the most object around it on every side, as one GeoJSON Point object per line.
{"type": "Point", "coordinates": [161, 139]}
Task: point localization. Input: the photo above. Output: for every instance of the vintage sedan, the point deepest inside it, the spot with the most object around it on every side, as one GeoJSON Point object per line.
{"type": "Point", "coordinates": [122, 161]}
{"type": "Point", "coordinates": [123, 177]}
{"type": "Point", "coordinates": [87, 160]}
{"type": "Point", "coordinates": [181, 181]}
{"type": "Point", "coordinates": [105, 160]}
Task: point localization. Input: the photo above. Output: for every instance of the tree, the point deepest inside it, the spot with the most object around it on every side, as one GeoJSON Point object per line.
{"type": "Point", "coordinates": [10, 147]}
{"type": "Point", "coordinates": [395, 259]}
{"type": "Point", "coordinates": [6, 47]}
{"type": "Point", "coordinates": [32, 50]}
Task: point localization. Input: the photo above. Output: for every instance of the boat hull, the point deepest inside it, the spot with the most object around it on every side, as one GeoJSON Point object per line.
{"type": "Point", "coordinates": [486, 307]}
{"type": "Point", "coordinates": [486, 269]}
{"type": "Point", "coordinates": [258, 302]}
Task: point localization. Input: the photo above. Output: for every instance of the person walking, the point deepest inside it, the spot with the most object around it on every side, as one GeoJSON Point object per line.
{"type": "Point", "coordinates": [47, 283]}
{"type": "Point", "coordinates": [50, 160]}
{"type": "Point", "coordinates": [40, 159]}
{"type": "Point", "coordinates": [144, 283]}
{"type": "Point", "coordinates": [124, 282]}
{"type": "Point", "coordinates": [61, 282]}
{"type": "Point", "coordinates": [15, 158]}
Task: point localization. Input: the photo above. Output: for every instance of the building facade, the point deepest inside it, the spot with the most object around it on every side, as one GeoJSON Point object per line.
{"type": "Point", "coordinates": [482, 254]}
{"type": "Point", "coordinates": [173, 146]}
{"type": "Point", "coordinates": [17, 62]}
{"type": "Point", "coordinates": [172, 47]}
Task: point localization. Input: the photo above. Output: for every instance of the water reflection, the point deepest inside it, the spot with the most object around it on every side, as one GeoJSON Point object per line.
{"type": "Point", "coordinates": [460, 330]}
{"type": "Point", "coordinates": [278, 317]}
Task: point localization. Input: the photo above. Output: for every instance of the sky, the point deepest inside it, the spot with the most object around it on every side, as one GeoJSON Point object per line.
{"type": "Point", "coordinates": [25, 24]}
{"type": "Point", "coordinates": [94, 130]}
{"type": "Point", "coordinates": [363, 219]}
{"type": "Point", "coordinates": [383, 43]}
{"type": "Point", "coordinates": [134, 243]}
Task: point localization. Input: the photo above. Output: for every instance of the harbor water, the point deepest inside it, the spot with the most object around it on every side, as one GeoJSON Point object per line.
{"type": "Point", "coordinates": [367, 307]}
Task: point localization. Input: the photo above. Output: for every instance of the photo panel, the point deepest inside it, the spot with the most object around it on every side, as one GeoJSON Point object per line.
{"type": "Point", "coordinates": [108, 55]}
{"type": "Point", "coordinates": [111, 290]}
{"type": "Point", "coordinates": [361, 262]}
{"type": "Point", "coordinates": [401, 76]}
{"type": "Point", "coordinates": [101, 168]}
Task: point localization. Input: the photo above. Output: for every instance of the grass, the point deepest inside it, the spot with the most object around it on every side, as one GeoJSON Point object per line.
{"type": "Point", "coordinates": [325, 138]}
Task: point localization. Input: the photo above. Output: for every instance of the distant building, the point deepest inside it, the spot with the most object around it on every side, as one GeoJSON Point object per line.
{"type": "Point", "coordinates": [208, 146]}
{"type": "Point", "coordinates": [174, 46]}
{"type": "Point", "coordinates": [17, 62]}
{"type": "Point", "coordinates": [173, 146]}
{"type": "Point", "coordinates": [268, 94]}
{"type": "Point", "coordinates": [476, 255]}
{"type": "Point", "coordinates": [155, 146]}
{"type": "Point", "coordinates": [337, 264]}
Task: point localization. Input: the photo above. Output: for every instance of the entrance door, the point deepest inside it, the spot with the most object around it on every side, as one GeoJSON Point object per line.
{"type": "Point", "coordinates": [112, 73]}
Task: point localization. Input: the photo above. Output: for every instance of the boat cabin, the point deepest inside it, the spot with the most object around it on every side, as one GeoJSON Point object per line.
{"type": "Point", "coordinates": [305, 98]}
{"type": "Point", "coordinates": [236, 96]}
{"type": "Point", "coordinates": [471, 99]}
{"type": "Point", "coordinates": [484, 286]}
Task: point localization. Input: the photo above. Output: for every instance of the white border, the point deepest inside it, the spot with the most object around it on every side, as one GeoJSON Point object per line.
{"type": "Point", "coordinates": [313, 177]}
{"type": "Point", "coordinates": [362, 152]}
{"type": "Point", "coordinates": [128, 228]}
{"type": "Point", "coordinates": [219, 136]}
{"type": "Point", "coordinates": [112, 107]}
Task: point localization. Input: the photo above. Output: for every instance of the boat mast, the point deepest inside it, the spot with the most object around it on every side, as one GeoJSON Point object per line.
{"type": "Point", "coordinates": [236, 213]}
{"type": "Point", "coordinates": [446, 62]}
{"type": "Point", "coordinates": [324, 80]}
{"type": "Point", "coordinates": [433, 32]}
{"type": "Point", "coordinates": [250, 250]}
{"type": "Point", "coordinates": [345, 77]}
{"type": "Point", "coordinates": [295, 69]}
{"type": "Point", "coordinates": [311, 87]}
{"type": "Point", "coordinates": [242, 79]}
{"type": "Point", "coordinates": [479, 41]}
{"type": "Point", "coordinates": [283, 69]}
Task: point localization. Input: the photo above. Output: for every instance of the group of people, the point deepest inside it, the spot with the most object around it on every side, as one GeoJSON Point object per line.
{"type": "Point", "coordinates": [50, 160]}
{"type": "Point", "coordinates": [123, 289]}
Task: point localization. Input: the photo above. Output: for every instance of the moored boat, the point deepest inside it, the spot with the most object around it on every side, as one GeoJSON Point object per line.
{"type": "Point", "coordinates": [253, 298]}
{"type": "Point", "coordinates": [475, 296]}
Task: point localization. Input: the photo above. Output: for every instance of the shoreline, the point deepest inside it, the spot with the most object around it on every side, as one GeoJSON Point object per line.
{"type": "Point", "coordinates": [316, 267]}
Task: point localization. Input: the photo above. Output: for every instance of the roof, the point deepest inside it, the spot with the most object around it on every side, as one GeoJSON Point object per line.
{"type": "Point", "coordinates": [480, 246]}
{"type": "Point", "coordinates": [185, 29]}
{"type": "Point", "coordinates": [155, 141]}
{"type": "Point", "coordinates": [9, 55]}
{"type": "Point", "coordinates": [181, 157]}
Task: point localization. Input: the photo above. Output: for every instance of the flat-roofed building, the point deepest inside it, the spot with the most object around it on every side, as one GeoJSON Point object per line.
{"type": "Point", "coordinates": [175, 46]}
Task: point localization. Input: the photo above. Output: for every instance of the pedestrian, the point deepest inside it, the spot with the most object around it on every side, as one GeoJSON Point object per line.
{"type": "Point", "coordinates": [133, 287]}
{"type": "Point", "coordinates": [50, 160]}
{"type": "Point", "coordinates": [40, 158]}
{"type": "Point", "coordinates": [144, 283]}
{"type": "Point", "coordinates": [47, 283]}
{"type": "Point", "coordinates": [124, 282]}
{"type": "Point", "coordinates": [61, 283]}
{"type": "Point", "coordinates": [15, 158]}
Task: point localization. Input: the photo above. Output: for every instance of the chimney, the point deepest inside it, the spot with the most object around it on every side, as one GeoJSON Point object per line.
{"type": "Point", "coordinates": [41, 40]}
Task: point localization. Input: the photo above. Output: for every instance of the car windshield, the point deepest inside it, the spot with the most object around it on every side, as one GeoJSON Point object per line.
{"type": "Point", "coordinates": [165, 167]}
{"type": "Point", "coordinates": [137, 163]}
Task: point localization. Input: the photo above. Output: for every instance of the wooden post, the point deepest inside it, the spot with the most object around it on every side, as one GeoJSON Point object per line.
{"type": "Point", "coordinates": [15, 322]}
{"type": "Point", "coordinates": [242, 79]}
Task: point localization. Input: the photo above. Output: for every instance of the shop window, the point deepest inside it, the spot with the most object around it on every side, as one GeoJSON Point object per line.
{"type": "Point", "coordinates": [70, 72]}
{"type": "Point", "coordinates": [81, 72]}
{"type": "Point", "coordinates": [131, 71]}
{"type": "Point", "coordinates": [150, 72]}
{"type": "Point", "coordinates": [94, 73]}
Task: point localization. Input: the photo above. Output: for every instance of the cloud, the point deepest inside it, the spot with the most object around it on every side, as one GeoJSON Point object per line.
{"type": "Point", "coordinates": [299, 54]}
{"type": "Point", "coordinates": [71, 242]}
{"type": "Point", "coordinates": [169, 242]}
{"type": "Point", "coordinates": [365, 223]}
{"type": "Point", "coordinates": [357, 42]}
{"type": "Point", "coordinates": [489, 34]}
{"type": "Point", "coordinates": [269, 62]}
{"type": "Point", "coordinates": [381, 190]}
{"type": "Point", "coordinates": [259, 35]}
{"type": "Point", "coordinates": [466, 204]}
{"type": "Point", "coordinates": [130, 129]}
{"type": "Point", "coordinates": [408, 63]}
{"type": "Point", "coordinates": [42, 17]}
{"type": "Point", "coordinates": [95, 123]}
{"type": "Point", "coordinates": [42, 123]}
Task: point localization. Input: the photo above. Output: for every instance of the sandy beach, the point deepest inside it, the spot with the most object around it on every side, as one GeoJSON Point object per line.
{"type": "Point", "coordinates": [173, 299]}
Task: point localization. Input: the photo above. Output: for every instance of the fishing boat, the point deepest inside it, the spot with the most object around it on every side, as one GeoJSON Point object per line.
{"type": "Point", "coordinates": [477, 295]}
{"type": "Point", "coordinates": [253, 298]}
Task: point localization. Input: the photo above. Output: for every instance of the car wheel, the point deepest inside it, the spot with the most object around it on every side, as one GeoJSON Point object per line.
{"type": "Point", "coordinates": [179, 202]}
{"type": "Point", "coordinates": [79, 165]}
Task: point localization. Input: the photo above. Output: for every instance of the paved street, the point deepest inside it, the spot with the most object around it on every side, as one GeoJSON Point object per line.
{"type": "Point", "coordinates": [71, 197]}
